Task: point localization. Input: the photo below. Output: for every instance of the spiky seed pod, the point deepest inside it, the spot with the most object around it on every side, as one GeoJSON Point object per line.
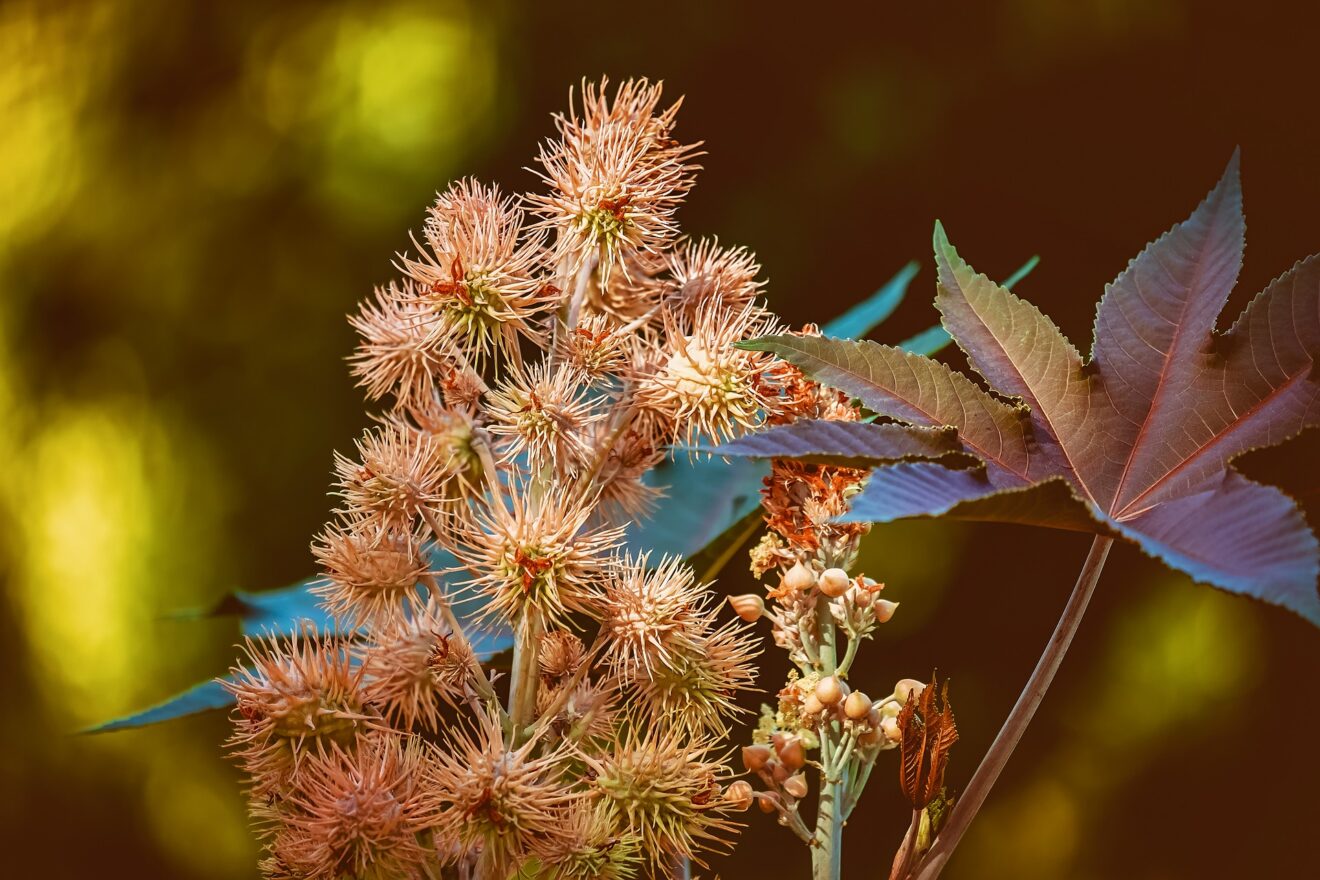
{"type": "Point", "coordinates": [834, 582]}
{"type": "Point", "coordinates": [595, 348]}
{"type": "Point", "coordinates": [535, 557]}
{"type": "Point", "coordinates": [560, 655]}
{"type": "Point", "coordinates": [624, 495]}
{"type": "Point", "coordinates": [589, 849]}
{"type": "Point", "coordinates": [739, 795]}
{"type": "Point", "coordinates": [696, 690]}
{"type": "Point", "coordinates": [476, 273]}
{"type": "Point", "coordinates": [588, 713]}
{"type": "Point", "coordinates": [664, 786]}
{"type": "Point", "coordinates": [496, 801]}
{"type": "Point", "coordinates": [369, 574]}
{"type": "Point", "coordinates": [398, 354]}
{"type": "Point", "coordinates": [413, 666]}
{"type": "Point", "coordinates": [799, 578]}
{"type": "Point", "coordinates": [615, 177]}
{"type": "Point", "coordinates": [705, 273]}
{"type": "Point", "coordinates": [458, 441]}
{"type": "Point", "coordinates": [829, 690]}
{"type": "Point", "coordinates": [545, 413]}
{"type": "Point", "coordinates": [629, 295]}
{"type": "Point", "coordinates": [857, 706]}
{"type": "Point", "coordinates": [293, 697]}
{"type": "Point", "coordinates": [358, 814]}
{"type": "Point", "coordinates": [750, 607]}
{"type": "Point", "coordinates": [653, 617]}
{"type": "Point", "coordinates": [400, 471]}
{"type": "Point", "coordinates": [711, 390]}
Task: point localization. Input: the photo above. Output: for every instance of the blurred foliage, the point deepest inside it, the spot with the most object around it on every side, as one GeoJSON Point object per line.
{"type": "Point", "coordinates": [193, 194]}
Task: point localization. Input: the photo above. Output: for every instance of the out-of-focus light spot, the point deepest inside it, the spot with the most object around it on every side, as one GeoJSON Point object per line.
{"type": "Point", "coordinates": [1035, 835]}
{"type": "Point", "coordinates": [1179, 653]}
{"type": "Point", "coordinates": [382, 98]}
{"type": "Point", "coordinates": [95, 561]}
{"type": "Point", "coordinates": [1175, 659]}
{"type": "Point", "coordinates": [188, 800]}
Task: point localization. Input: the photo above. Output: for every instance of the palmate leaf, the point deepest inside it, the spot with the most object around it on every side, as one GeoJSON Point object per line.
{"type": "Point", "coordinates": [1136, 442]}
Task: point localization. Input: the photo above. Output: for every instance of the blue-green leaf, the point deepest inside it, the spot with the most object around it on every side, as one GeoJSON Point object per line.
{"type": "Point", "coordinates": [200, 698]}
{"type": "Point", "coordinates": [867, 315]}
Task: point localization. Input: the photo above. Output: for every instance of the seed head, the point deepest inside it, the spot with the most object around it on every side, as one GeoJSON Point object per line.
{"type": "Point", "coordinates": [476, 272]}
{"type": "Point", "coordinates": [369, 575]}
{"type": "Point", "coordinates": [546, 414]}
{"type": "Point", "coordinates": [294, 698]}
{"type": "Point", "coordinates": [535, 558]}
{"type": "Point", "coordinates": [615, 177]}
{"type": "Point", "coordinates": [664, 787]}
{"type": "Point", "coordinates": [495, 800]}
{"type": "Point", "coordinates": [412, 666]}
{"type": "Point", "coordinates": [358, 813]}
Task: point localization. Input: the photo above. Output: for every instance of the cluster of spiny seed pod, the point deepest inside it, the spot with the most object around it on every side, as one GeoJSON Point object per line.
{"type": "Point", "coordinates": [536, 357]}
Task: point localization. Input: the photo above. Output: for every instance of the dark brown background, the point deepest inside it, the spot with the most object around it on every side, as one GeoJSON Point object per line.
{"type": "Point", "coordinates": [193, 194]}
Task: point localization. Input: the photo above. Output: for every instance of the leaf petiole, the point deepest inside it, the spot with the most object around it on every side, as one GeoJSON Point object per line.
{"type": "Point", "coordinates": [993, 763]}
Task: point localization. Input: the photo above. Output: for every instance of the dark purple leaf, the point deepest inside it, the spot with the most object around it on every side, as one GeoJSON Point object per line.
{"type": "Point", "coordinates": [1143, 436]}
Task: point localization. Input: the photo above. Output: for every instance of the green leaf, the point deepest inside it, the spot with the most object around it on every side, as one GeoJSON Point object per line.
{"type": "Point", "coordinates": [870, 312]}
{"type": "Point", "coordinates": [200, 698]}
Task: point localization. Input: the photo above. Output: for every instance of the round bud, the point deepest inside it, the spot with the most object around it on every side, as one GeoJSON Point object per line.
{"type": "Point", "coordinates": [890, 709]}
{"type": "Point", "coordinates": [800, 578]}
{"type": "Point", "coordinates": [870, 736]}
{"type": "Point", "coordinates": [829, 690]}
{"type": "Point", "coordinates": [874, 717]}
{"type": "Point", "coordinates": [811, 705]}
{"type": "Point", "coordinates": [791, 752]}
{"type": "Point", "coordinates": [891, 730]}
{"type": "Point", "coordinates": [796, 786]}
{"type": "Point", "coordinates": [748, 606]}
{"type": "Point", "coordinates": [907, 687]}
{"type": "Point", "coordinates": [739, 794]}
{"type": "Point", "coordinates": [884, 609]}
{"type": "Point", "coordinates": [778, 772]}
{"type": "Point", "coordinates": [857, 706]}
{"type": "Point", "coordinates": [768, 801]}
{"type": "Point", "coordinates": [860, 598]}
{"type": "Point", "coordinates": [834, 582]}
{"type": "Point", "coordinates": [755, 757]}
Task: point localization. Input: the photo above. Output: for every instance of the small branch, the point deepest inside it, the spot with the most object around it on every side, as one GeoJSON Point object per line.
{"type": "Point", "coordinates": [984, 778]}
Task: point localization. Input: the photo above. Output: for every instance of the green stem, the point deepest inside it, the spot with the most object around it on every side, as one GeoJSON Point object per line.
{"type": "Point", "coordinates": [984, 778]}
{"type": "Point", "coordinates": [526, 675]}
{"type": "Point", "coordinates": [827, 855]}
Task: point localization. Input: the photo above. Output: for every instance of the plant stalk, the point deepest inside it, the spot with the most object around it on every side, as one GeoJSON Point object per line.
{"type": "Point", "coordinates": [525, 677]}
{"type": "Point", "coordinates": [827, 854]}
{"type": "Point", "coordinates": [988, 772]}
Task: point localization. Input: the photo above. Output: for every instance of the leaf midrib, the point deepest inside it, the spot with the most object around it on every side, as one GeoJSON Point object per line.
{"type": "Point", "coordinates": [1200, 451]}
{"type": "Point", "coordinates": [980, 451]}
{"type": "Point", "coordinates": [1158, 395]}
